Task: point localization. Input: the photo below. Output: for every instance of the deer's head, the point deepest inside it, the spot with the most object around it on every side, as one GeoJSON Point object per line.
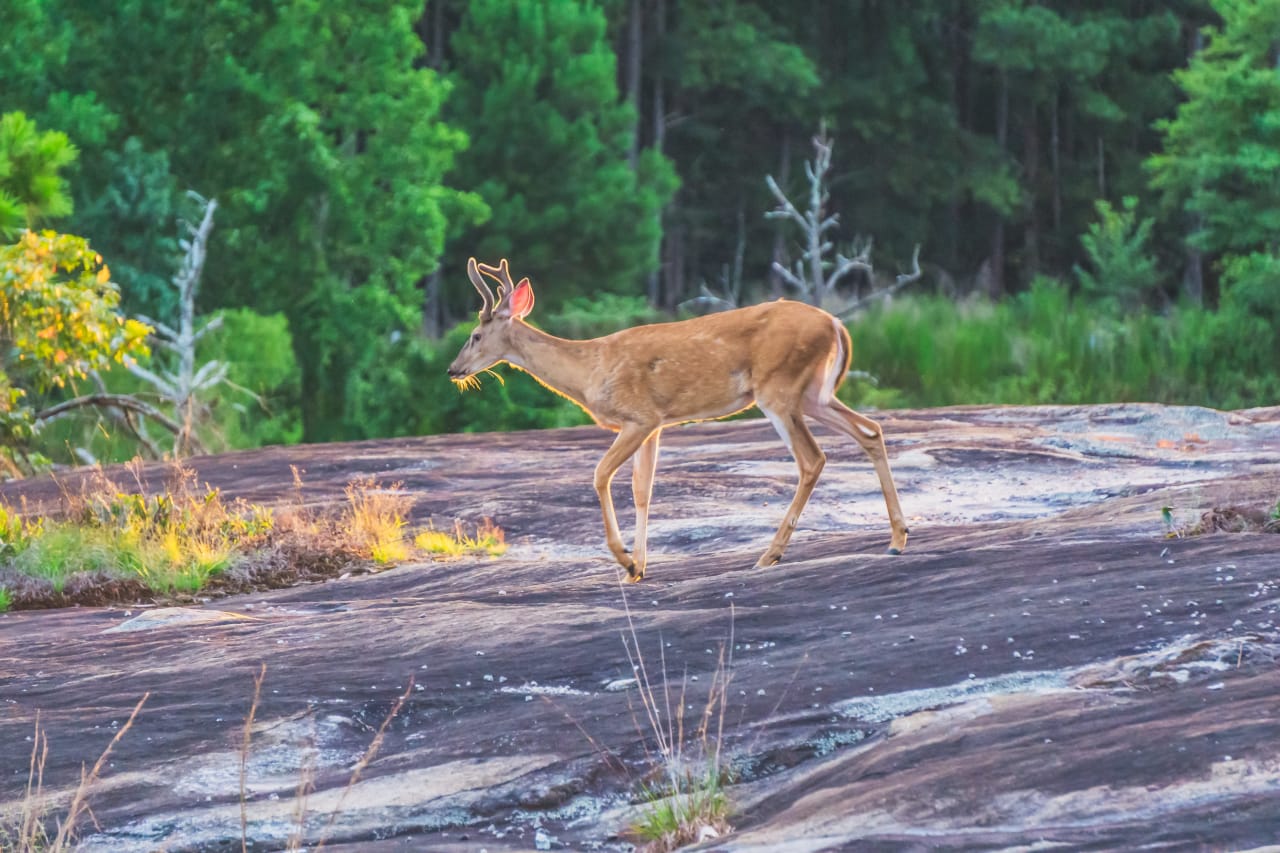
{"type": "Point", "coordinates": [490, 340]}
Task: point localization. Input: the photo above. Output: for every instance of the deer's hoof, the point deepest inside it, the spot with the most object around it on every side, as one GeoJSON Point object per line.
{"type": "Point", "coordinates": [894, 551]}
{"type": "Point", "coordinates": [634, 575]}
{"type": "Point", "coordinates": [767, 561]}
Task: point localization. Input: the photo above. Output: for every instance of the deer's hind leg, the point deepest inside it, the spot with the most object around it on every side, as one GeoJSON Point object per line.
{"type": "Point", "coordinates": [810, 459]}
{"type": "Point", "coordinates": [867, 433]}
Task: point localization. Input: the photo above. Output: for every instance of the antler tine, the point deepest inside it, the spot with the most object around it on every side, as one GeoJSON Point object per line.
{"type": "Point", "coordinates": [473, 273]}
{"type": "Point", "coordinates": [502, 275]}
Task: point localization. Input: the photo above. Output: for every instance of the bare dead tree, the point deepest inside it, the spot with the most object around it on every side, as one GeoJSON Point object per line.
{"type": "Point", "coordinates": [183, 386]}
{"type": "Point", "coordinates": [814, 274]}
{"type": "Point", "coordinates": [900, 282]}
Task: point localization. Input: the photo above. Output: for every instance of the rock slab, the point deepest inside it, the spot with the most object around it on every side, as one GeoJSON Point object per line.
{"type": "Point", "coordinates": [1044, 666]}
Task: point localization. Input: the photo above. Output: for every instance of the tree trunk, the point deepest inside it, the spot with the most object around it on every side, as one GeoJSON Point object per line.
{"type": "Point", "coordinates": [996, 284]}
{"type": "Point", "coordinates": [659, 140]}
{"type": "Point", "coordinates": [960, 111]}
{"type": "Point", "coordinates": [432, 307]}
{"type": "Point", "coordinates": [1193, 273]}
{"type": "Point", "coordinates": [635, 44]}
{"type": "Point", "coordinates": [1056, 154]}
{"type": "Point", "coordinates": [1031, 167]}
{"type": "Point", "coordinates": [1102, 168]}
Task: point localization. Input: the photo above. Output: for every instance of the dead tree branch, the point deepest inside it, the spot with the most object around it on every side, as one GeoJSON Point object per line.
{"type": "Point", "coordinates": [815, 275]}
{"type": "Point", "coordinates": [183, 386]}
{"type": "Point", "coordinates": [902, 281]}
{"type": "Point", "coordinates": [123, 402]}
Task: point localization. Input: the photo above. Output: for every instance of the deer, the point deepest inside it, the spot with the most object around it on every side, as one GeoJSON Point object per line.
{"type": "Point", "coordinates": [785, 357]}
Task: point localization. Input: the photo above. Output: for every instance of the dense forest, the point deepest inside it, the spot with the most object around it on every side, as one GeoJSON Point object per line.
{"type": "Point", "coordinates": [279, 200]}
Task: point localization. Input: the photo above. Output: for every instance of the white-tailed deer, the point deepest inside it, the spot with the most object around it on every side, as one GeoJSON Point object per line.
{"type": "Point", "coordinates": [785, 357]}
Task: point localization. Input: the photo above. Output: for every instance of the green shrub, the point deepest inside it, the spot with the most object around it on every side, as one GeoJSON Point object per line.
{"type": "Point", "coordinates": [1044, 346]}
{"type": "Point", "coordinates": [258, 351]}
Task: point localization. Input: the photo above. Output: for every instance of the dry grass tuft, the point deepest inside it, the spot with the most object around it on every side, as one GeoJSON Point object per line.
{"type": "Point", "coordinates": [488, 539]}
{"type": "Point", "coordinates": [375, 520]}
{"type": "Point", "coordinates": [685, 802]}
{"type": "Point", "coordinates": [30, 832]}
{"type": "Point", "coordinates": [306, 778]}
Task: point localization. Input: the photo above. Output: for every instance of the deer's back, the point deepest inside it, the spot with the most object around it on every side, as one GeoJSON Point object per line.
{"type": "Point", "coordinates": [710, 366]}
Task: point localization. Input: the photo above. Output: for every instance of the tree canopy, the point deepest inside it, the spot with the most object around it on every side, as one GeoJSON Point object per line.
{"type": "Point", "coordinates": [360, 152]}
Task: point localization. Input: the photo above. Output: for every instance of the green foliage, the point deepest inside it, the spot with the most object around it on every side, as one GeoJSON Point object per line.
{"type": "Point", "coordinates": [1251, 308]}
{"type": "Point", "coordinates": [489, 539]}
{"type": "Point", "coordinates": [59, 319]}
{"type": "Point", "coordinates": [171, 542]}
{"type": "Point", "coordinates": [329, 173]}
{"type": "Point", "coordinates": [1045, 347]}
{"type": "Point", "coordinates": [1117, 244]}
{"type": "Point", "coordinates": [132, 220]}
{"type": "Point", "coordinates": [599, 315]}
{"type": "Point", "coordinates": [535, 90]}
{"type": "Point", "coordinates": [259, 404]}
{"type": "Point", "coordinates": [1221, 157]}
{"type": "Point", "coordinates": [32, 190]}
{"type": "Point", "coordinates": [16, 532]}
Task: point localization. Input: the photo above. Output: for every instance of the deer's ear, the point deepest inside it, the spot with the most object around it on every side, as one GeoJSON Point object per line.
{"type": "Point", "coordinates": [521, 299]}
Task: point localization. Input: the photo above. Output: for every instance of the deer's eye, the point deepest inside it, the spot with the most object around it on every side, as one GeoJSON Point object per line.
{"type": "Point", "coordinates": [475, 336]}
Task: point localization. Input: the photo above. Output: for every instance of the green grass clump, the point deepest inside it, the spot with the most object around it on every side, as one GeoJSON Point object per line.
{"type": "Point", "coordinates": [171, 542]}
{"type": "Point", "coordinates": [1048, 346]}
{"type": "Point", "coordinates": [683, 809]}
{"type": "Point", "coordinates": [179, 539]}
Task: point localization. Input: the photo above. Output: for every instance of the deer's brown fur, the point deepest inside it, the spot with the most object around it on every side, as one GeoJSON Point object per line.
{"type": "Point", "coordinates": [786, 357]}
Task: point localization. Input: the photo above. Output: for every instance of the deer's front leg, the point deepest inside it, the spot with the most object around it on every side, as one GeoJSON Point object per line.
{"type": "Point", "coordinates": [629, 439]}
{"type": "Point", "coordinates": [643, 464]}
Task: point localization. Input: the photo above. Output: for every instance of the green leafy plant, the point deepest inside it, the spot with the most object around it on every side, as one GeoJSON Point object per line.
{"type": "Point", "coordinates": [31, 188]}
{"type": "Point", "coordinates": [59, 320]}
{"type": "Point", "coordinates": [1045, 346]}
{"type": "Point", "coordinates": [170, 542]}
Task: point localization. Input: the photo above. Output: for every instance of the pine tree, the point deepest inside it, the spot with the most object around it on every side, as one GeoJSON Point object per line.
{"type": "Point", "coordinates": [536, 91]}
{"type": "Point", "coordinates": [1221, 158]}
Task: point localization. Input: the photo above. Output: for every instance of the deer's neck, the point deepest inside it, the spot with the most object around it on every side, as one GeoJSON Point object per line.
{"type": "Point", "coordinates": [561, 364]}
